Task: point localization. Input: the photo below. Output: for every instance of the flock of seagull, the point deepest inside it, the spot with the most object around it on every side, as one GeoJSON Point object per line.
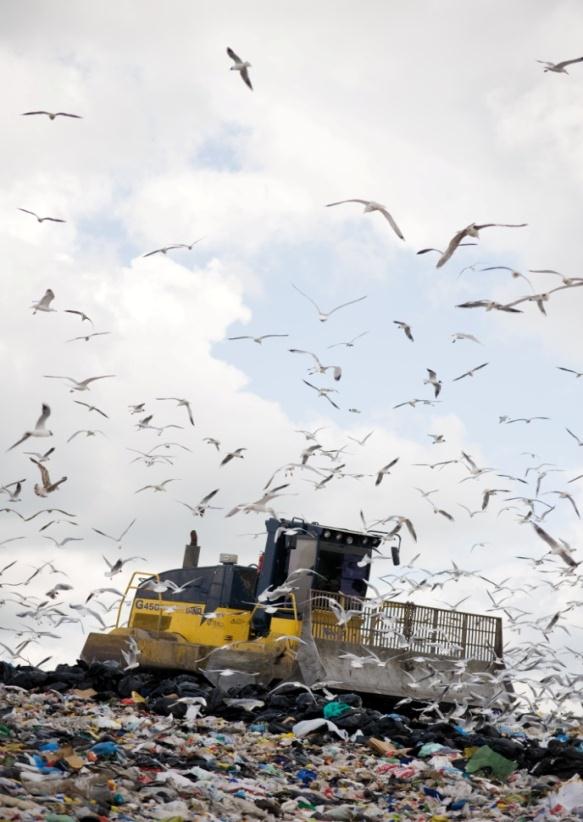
{"type": "Point", "coordinates": [543, 669]}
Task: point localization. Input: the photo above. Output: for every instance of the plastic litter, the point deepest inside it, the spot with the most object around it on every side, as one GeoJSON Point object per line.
{"type": "Point", "coordinates": [485, 757]}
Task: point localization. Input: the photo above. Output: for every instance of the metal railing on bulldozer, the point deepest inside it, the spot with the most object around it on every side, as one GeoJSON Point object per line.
{"type": "Point", "coordinates": [394, 625]}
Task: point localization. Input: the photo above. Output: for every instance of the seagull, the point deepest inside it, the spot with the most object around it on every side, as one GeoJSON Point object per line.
{"type": "Point", "coordinates": [52, 115]}
{"type": "Point", "coordinates": [47, 486]}
{"type": "Point", "coordinates": [98, 591]}
{"type": "Point", "coordinates": [168, 248]}
{"type": "Point", "coordinates": [458, 335]}
{"type": "Point", "coordinates": [489, 305]}
{"type": "Point", "coordinates": [40, 429]}
{"type": "Point", "coordinates": [575, 437]}
{"type": "Point", "coordinates": [84, 611]}
{"type": "Point", "coordinates": [160, 487]}
{"type": "Point", "coordinates": [323, 392]}
{"type": "Point", "coordinates": [131, 654]}
{"type": "Point", "coordinates": [138, 408]}
{"type": "Point", "coordinates": [87, 337]}
{"type": "Point", "coordinates": [81, 314]}
{"type": "Point", "coordinates": [437, 438]}
{"type": "Point", "coordinates": [116, 567]}
{"type": "Point", "coordinates": [212, 441]}
{"type": "Point", "coordinates": [489, 492]}
{"type": "Point", "coordinates": [260, 505]}
{"type": "Point", "coordinates": [42, 219]}
{"type": "Point", "coordinates": [559, 68]}
{"type": "Point", "coordinates": [470, 373]}
{"type": "Point", "coordinates": [257, 340]}
{"type": "Point", "coordinates": [44, 304]}
{"type": "Point", "coordinates": [350, 343]}
{"type": "Point", "coordinates": [370, 206]}
{"type": "Point", "coordinates": [181, 403]}
{"type": "Point", "coordinates": [236, 454]}
{"type": "Point", "coordinates": [82, 385]}
{"type": "Point", "coordinates": [527, 420]}
{"type": "Point", "coordinates": [14, 496]}
{"type": "Point", "coordinates": [40, 457]}
{"type": "Point", "coordinates": [564, 278]}
{"type": "Point", "coordinates": [325, 315]}
{"type": "Point", "coordinates": [385, 470]}
{"type": "Point", "coordinates": [200, 509]}
{"type": "Point", "coordinates": [414, 403]}
{"type": "Point", "coordinates": [406, 328]}
{"type": "Point", "coordinates": [400, 522]}
{"type": "Point", "coordinates": [513, 273]}
{"type": "Point", "coordinates": [565, 495]}
{"type": "Point", "coordinates": [319, 368]}
{"type": "Point", "coordinates": [60, 586]}
{"type": "Point", "coordinates": [114, 539]}
{"type": "Point", "coordinates": [432, 380]}
{"type": "Point", "coordinates": [241, 67]}
{"type": "Point", "coordinates": [561, 548]}
{"type": "Point", "coordinates": [570, 371]}
{"type": "Point", "coordinates": [343, 616]}
{"type": "Point", "coordinates": [88, 433]}
{"type": "Point", "coordinates": [59, 543]}
{"type": "Point", "coordinates": [471, 230]}
{"type": "Point", "coordinates": [91, 408]}
{"type": "Point", "coordinates": [362, 441]}
{"type": "Point", "coordinates": [310, 435]}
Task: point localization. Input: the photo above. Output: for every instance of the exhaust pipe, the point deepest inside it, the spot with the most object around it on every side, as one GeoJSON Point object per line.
{"type": "Point", "coordinates": [191, 552]}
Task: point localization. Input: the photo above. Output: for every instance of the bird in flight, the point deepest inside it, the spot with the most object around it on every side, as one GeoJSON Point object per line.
{"type": "Point", "coordinates": [82, 385]}
{"type": "Point", "coordinates": [181, 403]}
{"type": "Point", "coordinates": [471, 230]}
{"type": "Point", "coordinates": [44, 304]}
{"type": "Point", "coordinates": [385, 470]}
{"type": "Point", "coordinates": [470, 373]}
{"type": "Point", "coordinates": [405, 328]}
{"type": "Point", "coordinates": [40, 429]}
{"type": "Point", "coordinates": [319, 368]}
{"type": "Point", "coordinates": [161, 486]}
{"type": "Point", "coordinates": [323, 392]}
{"type": "Point", "coordinates": [458, 335]}
{"type": "Point", "coordinates": [168, 248]}
{"type": "Point", "coordinates": [257, 340]}
{"type": "Point", "coordinates": [325, 315]}
{"type": "Point", "coordinates": [200, 509]}
{"type": "Point", "coordinates": [370, 206]}
{"type": "Point", "coordinates": [115, 539]}
{"type": "Point", "coordinates": [52, 115]}
{"type": "Point", "coordinates": [432, 380]}
{"type": "Point", "coordinates": [46, 487]}
{"type": "Point", "coordinates": [489, 305]}
{"type": "Point", "coordinates": [240, 66]}
{"type": "Point", "coordinates": [236, 454]}
{"type": "Point", "coordinates": [42, 219]}
{"type": "Point", "coordinates": [88, 433]}
{"type": "Point", "coordinates": [350, 343]}
{"type": "Point", "coordinates": [559, 68]}
{"type": "Point", "coordinates": [91, 408]}
{"type": "Point", "coordinates": [87, 337]}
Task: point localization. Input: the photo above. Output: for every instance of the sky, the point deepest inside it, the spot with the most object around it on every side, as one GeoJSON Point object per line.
{"type": "Point", "coordinates": [439, 111]}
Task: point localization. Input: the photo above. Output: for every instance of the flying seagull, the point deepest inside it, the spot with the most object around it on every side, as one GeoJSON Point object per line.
{"type": "Point", "coordinates": [40, 429]}
{"type": "Point", "coordinates": [458, 335]}
{"type": "Point", "coordinates": [257, 340]}
{"type": "Point", "coordinates": [81, 385]}
{"type": "Point", "coordinates": [237, 453]}
{"type": "Point", "coordinates": [405, 328]}
{"type": "Point", "coordinates": [42, 219]}
{"type": "Point", "coordinates": [114, 539]}
{"type": "Point", "coordinates": [52, 115]}
{"type": "Point", "coordinates": [323, 392]}
{"type": "Point", "coordinates": [369, 206]}
{"type": "Point", "coordinates": [91, 408]}
{"type": "Point", "coordinates": [470, 373]}
{"type": "Point", "coordinates": [489, 305]}
{"type": "Point", "coordinates": [324, 315]}
{"type": "Point", "coordinates": [200, 509]}
{"type": "Point", "coordinates": [471, 230]}
{"type": "Point", "coordinates": [241, 67]}
{"type": "Point", "coordinates": [350, 343]}
{"type": "Point", "coordinates": [44, 304]}
{"type": "Point", "coordinates": [47, 487]}
{"type": "Point", "coordinates": [432, 380]}
{"type": "Point", "coordinates": [87, 337]}
{"type": "Point", "coordinates": [385, 470]}
{"type": "Point", "coordinates": [181, 403]}
{"type": "Point", "coordinates": [559, 68]}
{"type": "Point", "coordinates": [160, 487]}
{"type": "Point", "coordinates": [319, 368]}
{"type": "Point", "coordinates": [168, 248]}
{"type": "Point", "coordinates": [557, 547]}
{"type": "Point", "coordinates": [570, 371]}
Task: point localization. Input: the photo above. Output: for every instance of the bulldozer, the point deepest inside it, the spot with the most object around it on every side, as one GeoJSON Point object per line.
{"type": "Point", "coordinates": [302, 614]}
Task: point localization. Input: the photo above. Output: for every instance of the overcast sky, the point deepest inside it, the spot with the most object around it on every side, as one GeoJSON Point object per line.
{"type": "Point", "coordinates": [436, 109]}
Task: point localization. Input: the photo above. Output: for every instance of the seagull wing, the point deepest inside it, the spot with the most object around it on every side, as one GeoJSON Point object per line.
{"type": "Point", "coordinates": [243, 337]}
{"type": "Point", "coordinates": [392, 223]}
{"type": "Point", "coordinates": [209, 496]}
{"type": "Point", "coordinates": [341, 202]}
{"type": "Point", "coordinates": [564, 63]}
{"type": "Point", "coordinates": [45, 479]}
{"type": "Point", "coordinates": [151, 253]}
{"type": "Point", "coordinates": [453, 244]}
{"type": "Point", "coordinates": [46, 413]}
{"type": "Point", "coordinates": [350, 302]}
{"type": "Point", "coordinates": [245, 77]}
{"type": "Point", "coordinates": [92, 379]}
{"type": "Point", "coordinates": [26, 211]}
{"type": "Point", "coordinates": [316, 306]}
{"type": "Point", "coordinates": [233, 56]}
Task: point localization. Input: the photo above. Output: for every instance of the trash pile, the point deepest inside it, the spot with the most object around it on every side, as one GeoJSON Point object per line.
{"type": "Point", "coordinates": [87, 743]}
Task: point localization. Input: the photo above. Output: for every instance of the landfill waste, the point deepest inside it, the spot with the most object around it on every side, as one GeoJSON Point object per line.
{"type": "Point", "coordinates": [88, 743]}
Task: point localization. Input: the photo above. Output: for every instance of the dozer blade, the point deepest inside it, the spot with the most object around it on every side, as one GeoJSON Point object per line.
{"type": "Point", "coordinates": [399, 672]}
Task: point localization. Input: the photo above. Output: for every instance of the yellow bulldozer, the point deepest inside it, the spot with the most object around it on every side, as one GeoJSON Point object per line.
{"type": "Point", "coordinates": [302, 614]}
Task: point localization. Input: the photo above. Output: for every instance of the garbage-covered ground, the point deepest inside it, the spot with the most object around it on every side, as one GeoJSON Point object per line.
{"type": "Point", "coordinates": [95, 743]}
